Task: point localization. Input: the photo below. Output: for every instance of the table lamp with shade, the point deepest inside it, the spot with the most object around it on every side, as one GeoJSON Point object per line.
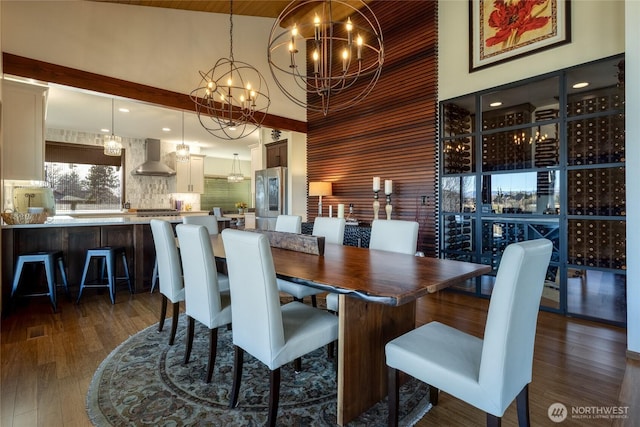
{"type": "Point", "coordinates": [320, 188]}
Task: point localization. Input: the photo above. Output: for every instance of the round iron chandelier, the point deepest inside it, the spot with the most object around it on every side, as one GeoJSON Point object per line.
{"type": "Point", "coordinates": [232, 98]}
{"type": "Point", "coordinates": [344, 53]}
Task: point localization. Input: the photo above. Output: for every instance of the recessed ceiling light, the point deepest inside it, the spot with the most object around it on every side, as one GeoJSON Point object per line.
{"type": "Point", "coordinates": [123, 110]}
{"type": "Point", "coordinates": [580, 85]}
{"type": "Point", "coordinates": [166, 129]}
{"type": "Point", "coordinates": [495, 104]}
{"type": "Point", "coordinates": [105, 130]}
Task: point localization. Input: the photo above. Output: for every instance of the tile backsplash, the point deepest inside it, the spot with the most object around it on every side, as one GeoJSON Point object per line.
{"type": "Point", "coordinates": [143, 192]}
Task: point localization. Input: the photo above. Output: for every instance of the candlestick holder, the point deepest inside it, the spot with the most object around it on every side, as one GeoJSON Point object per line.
{"type": "Point", "coordinates": [376, 205]}
{"type": "Point", "coordinates": [388, 208]}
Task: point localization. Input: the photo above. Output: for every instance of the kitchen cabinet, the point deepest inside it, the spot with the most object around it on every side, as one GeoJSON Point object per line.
{"type": "Point", "coordinates": [189, 175]}
{"type": "Point", "coordinates": [23, 116]}
{"type": "Point", "coordinates": [277, 154]}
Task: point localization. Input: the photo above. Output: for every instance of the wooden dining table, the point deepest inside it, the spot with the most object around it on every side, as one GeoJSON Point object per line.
{"type": "Point", "coordinates": [377, 303]}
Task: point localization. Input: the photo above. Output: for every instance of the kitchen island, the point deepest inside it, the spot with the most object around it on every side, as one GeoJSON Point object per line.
{"type": "Point", "coordinates": [75, 235]}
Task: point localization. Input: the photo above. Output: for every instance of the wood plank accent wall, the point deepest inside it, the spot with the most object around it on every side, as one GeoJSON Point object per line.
{"type": "Point", "coordinates": [392, 133]}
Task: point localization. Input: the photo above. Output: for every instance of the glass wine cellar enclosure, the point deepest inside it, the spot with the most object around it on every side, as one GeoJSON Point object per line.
{"type": "Point", "coordinates": [543, 157]}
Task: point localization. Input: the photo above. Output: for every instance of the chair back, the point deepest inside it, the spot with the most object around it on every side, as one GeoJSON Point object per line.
{"type": "Point", "coordinates": [209, 221]}
{"type": "Point", "coordinates": [507, 351]}
{"type": "Point", "coordinates": [332, 229]}
{"type": "Point", "coordinates": [289, 223]}
{"type": "Point", "coordinates": [169, 267]}
{"type": "Point", "coordinates": [394, 236]}
{"type": "Point", "coordinates": [201, 290]}
{"type": "Point", "coordinates": [255, 300]}
{"type": "Point", "coordinates": [217, 212]}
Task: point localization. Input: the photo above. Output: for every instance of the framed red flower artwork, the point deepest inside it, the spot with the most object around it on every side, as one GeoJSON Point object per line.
{"type": "Point", "coordinates": [502, 30]}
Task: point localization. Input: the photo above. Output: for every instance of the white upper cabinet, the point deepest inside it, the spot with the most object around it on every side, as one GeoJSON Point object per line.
{"type": "Point", "coordinates": [23, 115]}
{"type": "Point", "coordinates": [189, 175]}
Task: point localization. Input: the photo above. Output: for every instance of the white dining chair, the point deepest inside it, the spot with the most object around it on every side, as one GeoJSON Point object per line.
{"type": "Point", "coordinates": [387, 235]}
{"type": "Point", "coordinates": [293, 224]}
{"type": "Point", "coordinates": [487, 373]}
{"type": "Point", "coordinates": [289, 223]}
{"type": "Point", "coordinates": [204, 301]}
{"type": "Point", "coordinates": [169, 272]}
{"type": "Point", "coordinates": [273, 334]}
{"type": "Point", "coordinates": [209, 221]}
{"type": "Point", "coordinates": [332, 229]}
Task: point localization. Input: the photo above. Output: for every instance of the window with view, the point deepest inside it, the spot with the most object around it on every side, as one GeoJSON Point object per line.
{"type": "Point", "coordinates": [83, 178]}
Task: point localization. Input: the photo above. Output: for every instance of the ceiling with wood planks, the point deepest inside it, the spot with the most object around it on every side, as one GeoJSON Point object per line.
{"type": "Point", "coordinates": [268, 9]}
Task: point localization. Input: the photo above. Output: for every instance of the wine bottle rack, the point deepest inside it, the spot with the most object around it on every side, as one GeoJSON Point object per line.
{"type": "Point", "coordinates": [597, 243]}
{"type": "Point", "coordinates": [599, 139]}
{"type": "Point", "coordinates": [458, 234]}
{"type": "Point", "coordinates": [510, 149]}
{"type": "Point", "coordinates": [457, 152]}
{"type": "Point", "coordinates": [597, 191]}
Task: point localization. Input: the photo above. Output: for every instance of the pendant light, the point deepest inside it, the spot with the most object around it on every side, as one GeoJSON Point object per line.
{"type": "Point", "coordinates": [112, 144]}
{"type": "Point", "coordinates": [344, 53]}
{"type": "Point", "coordinates": [182, 150]}
{"type": "Point", "coordinates": [236, 173]}
{"type": "Point", "coordinates": [232, 98]}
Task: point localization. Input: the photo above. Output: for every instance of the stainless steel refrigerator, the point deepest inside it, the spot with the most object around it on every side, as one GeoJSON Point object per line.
{"type": "Point", "coordinates": [271, 196]}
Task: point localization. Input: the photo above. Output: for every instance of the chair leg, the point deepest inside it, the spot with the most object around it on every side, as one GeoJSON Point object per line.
{"type": "Point", "coordinates": [331, 349]}
{"type": "Point", "coordinates": [493, 421]}
{"type": "Point", "coordinates": [174, 322]}
{"type": "Point", "coordinates": [213, 348]}
{"type": "Point", "coordinates": [84, 277]}
{"type": "Point", "coordinates": [238, 359]}
{"type": "Point", "coordinates": [154, 275]}
{"type": "Point", "coordinates": [274, 397]}
{"type": "Point", "coordinates": [50, 271]}
{"type": "Point", "coordinates": [125, 266]}
{"type": "Point", "coordinates": [163, 313]}
{"type": "Point", "coordinates": [63, 275]}
{"type": "Point", "coordinates": [522, 402]}
{"type": "Point", "coordinates": [297, 364]}
{"type": "Point", "coordinates": [189, 339]}
{"type": "Point", "coordinates": [393, 376]}
{"type": "Point", "coordinates": [433, 395]}
{"type": "Point", "coordinates": [314, 301]}
{"type": "Point", "coordinates": [111, 273]}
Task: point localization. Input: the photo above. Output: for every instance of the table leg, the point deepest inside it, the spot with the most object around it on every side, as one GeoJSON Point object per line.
{"type": "Point", "coordinates": [365, 328]}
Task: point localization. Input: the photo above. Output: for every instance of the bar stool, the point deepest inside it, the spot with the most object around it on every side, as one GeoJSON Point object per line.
{"type": "Point", "coordinates": [107, 256]}
{"type": "Point", "coordinates": [49, 259]}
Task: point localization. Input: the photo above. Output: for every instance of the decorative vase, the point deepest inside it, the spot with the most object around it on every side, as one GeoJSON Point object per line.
{"type": "Point", "coordinates": [240, 210]}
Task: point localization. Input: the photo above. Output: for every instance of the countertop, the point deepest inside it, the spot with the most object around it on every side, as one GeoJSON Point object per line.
{"type": "Point", "coordinates": [124, 219]}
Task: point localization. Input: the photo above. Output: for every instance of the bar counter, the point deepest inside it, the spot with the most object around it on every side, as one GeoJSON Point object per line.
{"type": "Point", "coordinates": [74, 236]}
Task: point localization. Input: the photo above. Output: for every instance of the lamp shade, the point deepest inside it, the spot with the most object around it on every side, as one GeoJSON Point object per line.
{"type": "Point", "coordinates": [320, 188]}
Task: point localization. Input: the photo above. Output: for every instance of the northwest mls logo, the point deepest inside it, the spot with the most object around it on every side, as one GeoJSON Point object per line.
{"type": "Point", "coordinates": [557, 412]}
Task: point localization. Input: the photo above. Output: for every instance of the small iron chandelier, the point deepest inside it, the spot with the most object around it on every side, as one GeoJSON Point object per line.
{"type": "Point", "coordinates": [344, 48]}
{"type": "Point", "coordinates": [112, 144]}
{"type": "Point", "coordinates": [233, 98]}
{"type": "Point", "coordinates": [236, 173]}
{"type": "Point", "coordinates": [182, 149]}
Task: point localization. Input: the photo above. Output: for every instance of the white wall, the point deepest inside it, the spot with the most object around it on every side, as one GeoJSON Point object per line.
{"type": "Point", "coordinates": [217, 166]}
{"type": "Point", "coordinates": [138, 43]}
{"type": "Point", "coordinates": [632, 128]}
{"type": "Point", "coordinates": [597, 31]}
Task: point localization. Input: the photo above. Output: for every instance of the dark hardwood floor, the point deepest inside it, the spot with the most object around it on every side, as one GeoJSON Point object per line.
{"type": "Point", "coordinates": [47, 360]}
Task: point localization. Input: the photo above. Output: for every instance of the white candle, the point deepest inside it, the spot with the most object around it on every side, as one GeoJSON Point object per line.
{"type": "Point", "coordinates": [376, 183]}
{"type": "Point", "coordinates": [388, 186]}
{"type": "Point", "coordinates": [330, 211]}
{"type": "Point", "coordinates": [341, 210]}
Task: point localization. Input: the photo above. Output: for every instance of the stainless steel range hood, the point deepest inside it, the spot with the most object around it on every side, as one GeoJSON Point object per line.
{"type": "Point", "coordinates": [152, 165]}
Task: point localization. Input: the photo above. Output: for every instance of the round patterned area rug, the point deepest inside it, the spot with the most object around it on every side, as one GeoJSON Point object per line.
{"type": "Point", "coordinates": [144, 382]}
